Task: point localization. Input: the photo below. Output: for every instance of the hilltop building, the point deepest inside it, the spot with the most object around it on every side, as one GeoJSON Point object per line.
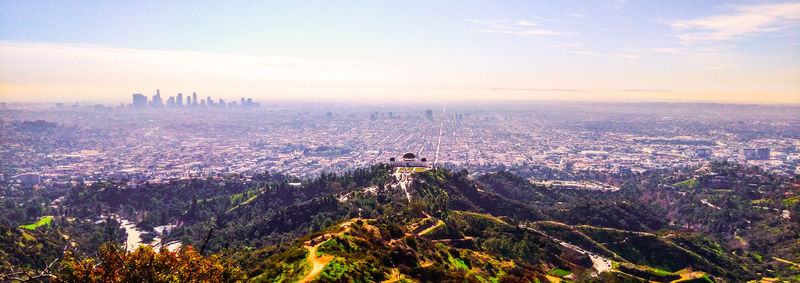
{"type": "Point", "coordinates": [409, 160]}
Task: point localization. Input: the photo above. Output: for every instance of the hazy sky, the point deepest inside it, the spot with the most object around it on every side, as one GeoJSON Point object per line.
{"type": "Point", "coordinates": [69, 51]}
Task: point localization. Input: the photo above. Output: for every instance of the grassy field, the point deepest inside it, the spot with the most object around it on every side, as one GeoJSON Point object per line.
{"type": "Point", "coordinates": [688, 184]}
{"type": "Point", "coordinates": [559, 272]}
{"type": "Point", "coordinates": [42, 221]}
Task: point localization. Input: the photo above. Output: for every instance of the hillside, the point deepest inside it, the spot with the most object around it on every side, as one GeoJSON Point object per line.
{"type": "Point", "coordinates": [513, 247]}
{"type": "Point", "coordinates": [375, 224]}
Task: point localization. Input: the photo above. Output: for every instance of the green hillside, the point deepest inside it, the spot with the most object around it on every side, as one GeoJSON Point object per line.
{"type": "Point", "coordinates": [439, 225]}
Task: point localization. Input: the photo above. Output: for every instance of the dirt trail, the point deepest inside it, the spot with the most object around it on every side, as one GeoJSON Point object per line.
{"type": "Point", "coordinates": [423, 232]}
{"type": "Point", "coordinates": [317, 263]}
{"type": "Point", "coordinates": [786, 261]}
{"type": "Point", "coordinates": [467, 238]}
{"type": "Point", "coordinates": [395, 276]}
{"type": "Point", "coordinates": [404, 181]}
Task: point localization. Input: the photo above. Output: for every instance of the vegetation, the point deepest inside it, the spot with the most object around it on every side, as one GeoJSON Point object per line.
{"type": "Point", "coordinates": [146, 265]}
{"type": "Point", "coordinates": [43, 221]}
{"type": "Point", "coordinates": [722, 221]}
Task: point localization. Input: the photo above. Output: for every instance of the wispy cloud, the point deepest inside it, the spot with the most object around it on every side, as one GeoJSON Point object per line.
{"type": "Point", "coordinates": [519, 27]}
{"type": "Point", "coordinates": [539, 89]}
{"type": "Point", "coordinates": [630, 55]}
{"type": "Point", "coordinates": [528, 32]}
{"type": "Point", "coordinates": [644, 90]}
{"type": "Point", "coordinates": [571, 45]}
{"type": "Point", "coordinates": [526, 23]}
{"type": "Point", "coordinates": [740, 22]}
{"type": "Point", "coordinates": [715, 57]}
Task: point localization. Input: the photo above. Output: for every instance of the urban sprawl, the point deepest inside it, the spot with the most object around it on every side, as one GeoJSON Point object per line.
{"type": "Point", "coordinates": [150, 141]}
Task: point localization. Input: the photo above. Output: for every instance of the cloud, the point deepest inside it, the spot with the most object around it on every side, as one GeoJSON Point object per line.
{"type": "Point", "coordinates": [572, 45]}
{"type": "Point", "coordinates": [629, 54]}
{"type": "Point", "coordinates": [589, 53]}
{"type": "Point", "coordinates": [539, 89]}
{"type": "Point", "coordinates": [528, 32]}
{"type": "Point", "coordinates": [644, 90]}
{"type": "Point", "coordinates": [715, 57]}
{"type": "Point", "coordinates": [519, 27]}
{"type": "Point", "coordinates": [743, 21]}
{"type": "Point", "coordinates": [525, 23]}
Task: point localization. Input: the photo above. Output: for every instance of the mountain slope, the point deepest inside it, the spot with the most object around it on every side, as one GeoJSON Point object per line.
{"type": "Point", "coordinates": [375, 224]}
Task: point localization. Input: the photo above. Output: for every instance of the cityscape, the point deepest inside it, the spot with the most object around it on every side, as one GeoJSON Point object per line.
{"type": "Point", "coordinates": [153, 144]}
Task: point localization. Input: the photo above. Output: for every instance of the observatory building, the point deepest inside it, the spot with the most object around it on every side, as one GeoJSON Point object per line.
{"type": "Point", "coordinates": [409, 160]}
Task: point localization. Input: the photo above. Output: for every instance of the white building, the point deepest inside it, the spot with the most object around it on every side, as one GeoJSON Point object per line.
{"type": "Point", "coordinates": [409, 160]}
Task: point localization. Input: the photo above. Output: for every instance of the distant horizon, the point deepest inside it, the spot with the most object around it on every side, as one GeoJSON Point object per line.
{"type": "Point", "coordinates": [266, 102]}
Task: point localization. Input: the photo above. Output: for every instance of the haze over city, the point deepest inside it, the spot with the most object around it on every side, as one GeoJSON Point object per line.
{"type": "Point", "coordinates": [375, 51]}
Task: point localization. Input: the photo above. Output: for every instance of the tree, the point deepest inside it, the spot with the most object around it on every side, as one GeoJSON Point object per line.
{"type": "Point", "coordinates": [146, 265]}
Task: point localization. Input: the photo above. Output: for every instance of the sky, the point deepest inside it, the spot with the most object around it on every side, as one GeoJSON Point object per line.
{"type": "Point", "coordinates": [401, 51]}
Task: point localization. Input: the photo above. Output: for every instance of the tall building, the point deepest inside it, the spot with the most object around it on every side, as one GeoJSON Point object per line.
{"type": "Point", "coordinates": [171, 101]}
{"type": "Point", "coordinates": [30, 179]}
{"type": "Point", "coordinates": [703, 152]}
{"type": "Point", "coordinates": [179, 100]}
{"type": "Point", "coordinates": [429, 115]}
{"type": "Point", "coordinates": [188, 100]}
{"type": "Point", "coordinates": [242, 102]}
{"type": "Point", "coordinates": [209, 102]}
{"type": "Point", "coordinates": [194, 99]}
{"type": "Point", "coordinates": [763, 153]}
{"type": "Point", "coordinates": [139, 100]}
{"type": "Point", "coordinates": [750, 153]}
{"type": "Point", "coordinates": [157, 102]}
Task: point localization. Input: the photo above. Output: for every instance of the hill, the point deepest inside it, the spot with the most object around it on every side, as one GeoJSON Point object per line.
{"type": "Point", "coordinates": [375, 224]}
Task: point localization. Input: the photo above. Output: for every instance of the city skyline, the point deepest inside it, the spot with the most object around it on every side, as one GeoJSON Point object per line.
{"type": "Point", "coordinates": [731, 51]}
{"type": "Point", "coordinates": [156, 101]}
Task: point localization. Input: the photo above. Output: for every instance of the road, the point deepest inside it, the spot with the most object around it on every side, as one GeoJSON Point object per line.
{"type": "Point", "coordinates": [438, 144]}
{"type": "Point", "coordinates": [600, 264]}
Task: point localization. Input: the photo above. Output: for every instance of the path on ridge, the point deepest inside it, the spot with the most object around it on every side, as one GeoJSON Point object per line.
{"type": "Point", "coordinates": [404, 181]}
{"type": "Point", "coordinates": [319, 263]}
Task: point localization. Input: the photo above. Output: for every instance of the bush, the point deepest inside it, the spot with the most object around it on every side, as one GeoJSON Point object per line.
{"type": "Point", "coordinates": [146, 265]}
